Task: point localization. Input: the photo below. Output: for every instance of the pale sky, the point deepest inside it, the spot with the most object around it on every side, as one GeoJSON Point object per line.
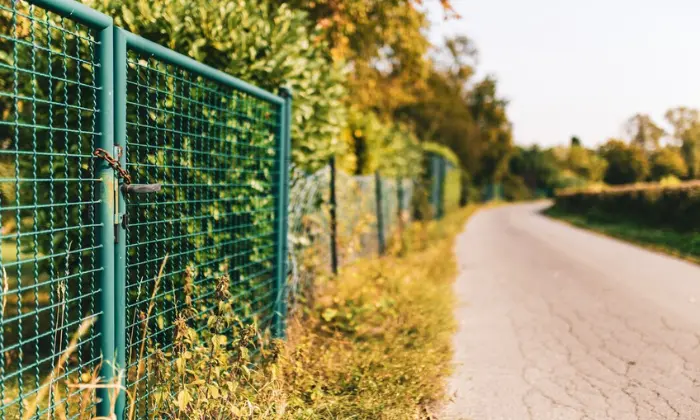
{"type": "Point", "coordinates": [582, 68]}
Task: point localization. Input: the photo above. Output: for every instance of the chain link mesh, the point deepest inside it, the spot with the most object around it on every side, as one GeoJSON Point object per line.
{"type": "Point", "coordinates": [357, 227]}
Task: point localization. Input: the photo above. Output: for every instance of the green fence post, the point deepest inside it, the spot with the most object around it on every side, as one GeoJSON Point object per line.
{"type": "Point", "coordinates": [441, 176]}
{"type": "Point", "coordinates": [400, 198]}
{"type": "Point", "coordinates": [434, 184]}
{"type": "Point", "coordinates": [284, 146]}
{"type": "Point", "coordinates": [106, 214]}
{"type": "Point", "coordinates": [380, 219]}
{"type": "Point", "coordinates": [120, 232]}
{"type": "Point", "coordinates": [334, 219]}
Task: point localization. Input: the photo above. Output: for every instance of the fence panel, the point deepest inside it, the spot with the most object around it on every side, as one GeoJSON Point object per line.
{"type": "Point", "coordinates": [216, 148]}
{"type": "Point", "coordinates": [99, 276]}
{"type": "Point", "coordinates": [52, 88]}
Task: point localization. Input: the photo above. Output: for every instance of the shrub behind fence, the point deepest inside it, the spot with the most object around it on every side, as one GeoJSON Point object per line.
{"type": "Point", "coordinates": [359, 228]}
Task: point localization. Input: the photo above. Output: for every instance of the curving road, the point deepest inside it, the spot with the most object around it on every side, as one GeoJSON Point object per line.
{"type": "Point", "coordinates": [559, 323]}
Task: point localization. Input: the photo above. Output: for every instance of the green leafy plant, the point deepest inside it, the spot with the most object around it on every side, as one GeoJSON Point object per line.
{"type": "Point", "coordinates": [265, 43]}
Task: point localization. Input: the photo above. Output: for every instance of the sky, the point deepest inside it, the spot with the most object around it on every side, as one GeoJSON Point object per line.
{"type": "Point", "coordinates": [581, 68]}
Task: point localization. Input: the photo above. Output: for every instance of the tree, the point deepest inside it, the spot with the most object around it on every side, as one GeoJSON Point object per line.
{"type": "Point", "coordinates": [643, 132]}
{"type": "Point", "coordinates": [585, 163]}
{"type": "Point", "coordinates": [384, 42]}
{"type": "Point", "coordinates": [575, 141]}
{"type": "Point", "coordinates": [626, 163]}
{"type": "Point", "coordinates": [488, 110]}
{"type": "Point", "coordinates": [667, 161]}
{"type": "Point", "coordinates": [690, 150]}
{"type": "Point", "coordinates": [537, 168]}
{"type": "Point", "coordinates": [686, 132]}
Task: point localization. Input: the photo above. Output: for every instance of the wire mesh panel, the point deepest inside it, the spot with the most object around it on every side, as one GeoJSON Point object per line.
{"type": "Point", "coordinates": [209, 234]}
{"type": "Point", "coordinates": [309, 228]}
{"type": "Point", "coordinates": [357, 217]}
{"type": "Point", "coordinates": [48, 196]}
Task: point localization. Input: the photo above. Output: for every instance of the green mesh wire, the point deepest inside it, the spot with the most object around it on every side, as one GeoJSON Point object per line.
{"type": "Point", "coordinates": [213, 150]}
{"type": "Point", "coordinates": [47, 209]}
{"type": "Point", "coordinates": [309, 220]}
{"type": "Point", "coordinates": [309, 229]}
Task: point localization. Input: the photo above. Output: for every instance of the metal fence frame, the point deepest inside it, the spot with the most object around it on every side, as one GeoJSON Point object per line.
{"type": "Point", "coordinates": [110, 80]}
{"type": "Point", "coordinates": [114, 44]}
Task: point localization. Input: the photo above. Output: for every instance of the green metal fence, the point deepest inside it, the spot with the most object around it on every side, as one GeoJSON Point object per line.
{"type": "Point", "coordinates": [135, 184]}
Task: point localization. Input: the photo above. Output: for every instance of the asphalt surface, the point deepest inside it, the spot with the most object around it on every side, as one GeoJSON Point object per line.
{"type": "Point", "coordinates": [559, 323]}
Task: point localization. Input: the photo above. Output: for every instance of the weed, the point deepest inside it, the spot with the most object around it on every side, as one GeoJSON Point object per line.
{"type": "Point", "coordinates": [378, 342]}
{"type": "Point", "coordinates": [375, 344]}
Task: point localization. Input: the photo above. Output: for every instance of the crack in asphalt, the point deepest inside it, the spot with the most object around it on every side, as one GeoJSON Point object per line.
{"type": "Point", "coordinates": [557, 323]}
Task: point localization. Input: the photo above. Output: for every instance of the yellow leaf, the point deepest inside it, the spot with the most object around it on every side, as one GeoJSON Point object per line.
{"type": "Point", "coordinates": [183, 399]}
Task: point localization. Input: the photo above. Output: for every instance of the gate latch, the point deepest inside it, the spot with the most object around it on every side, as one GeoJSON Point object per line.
{"type": "Point", "coordinates": [140, 188]}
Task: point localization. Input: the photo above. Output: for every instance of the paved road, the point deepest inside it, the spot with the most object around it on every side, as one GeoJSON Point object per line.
{"type": "Point", "coordinates": [559, 323]}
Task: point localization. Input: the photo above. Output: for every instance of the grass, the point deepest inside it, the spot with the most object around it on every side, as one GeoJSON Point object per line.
{"type": "Point", "coordinates": [377, 344]}
{"type": "Point", "coordinates": [372, 343]}
{"type": "Point", "coordinates": [685, 245]}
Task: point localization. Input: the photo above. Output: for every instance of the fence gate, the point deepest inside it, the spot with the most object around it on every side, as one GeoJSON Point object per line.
{"type": "Point", "coordinates": [135, 185]}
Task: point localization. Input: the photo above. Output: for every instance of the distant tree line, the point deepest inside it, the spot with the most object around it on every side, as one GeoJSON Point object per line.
{"type": "Point", "coordinates": [648, 153]}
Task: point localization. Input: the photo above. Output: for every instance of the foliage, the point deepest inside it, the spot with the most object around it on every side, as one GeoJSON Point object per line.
{"type": "Point", "coordinates": [653, 205]}
{"type": "Point", "coordinates": [381, 145]}
{"type": "Point", "coordinates": [440, 150]}
{"type": "Point", "coordinates": [643, 132]}
{"type": "Point", "coordinates": [494, 128]}
{"type": "Point", "coordinates": [667, 161]}
{"type": "Point", "coordinates": [378, 343]}
{"type": "Point", "coordinates": [260, 41]}
{"type": "Point", "coordinates": [442, 116]}
{"type": "Point", "coordinates": [686, 132]}
{"type": "Point", "coordinates": [586, 163]}
{"type": "Point", "coordinates": [537, 168]}
{"type": "Point", "coordinates": [383, 40]}
{"type": "Point", "coordinates": [212, 374]}
{"type": "Point", "coordinates": [626, 163]}
{"type": "Point", "coordinates": [515, 189]}
{"type": "Point", "coordinates": [468, 117]}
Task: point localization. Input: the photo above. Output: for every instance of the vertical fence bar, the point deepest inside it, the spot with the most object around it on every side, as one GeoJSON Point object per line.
{"type": "Point", "coordinates": [400, 198]}
{"type": "Point", "coordinates": [120, 232]}
{"type": "Point", "coordinates": [441, 176]}
{"type": "Point", "coordinates": [105, 214]}
{"type": "Point", "coordinates": [380, 219]}
{"type": "Point", "coordinates": [282, 196]}
{"type": "Point", "coordinates": [334, 220]}
{"type": "Point", "coordinates": [434, 182]}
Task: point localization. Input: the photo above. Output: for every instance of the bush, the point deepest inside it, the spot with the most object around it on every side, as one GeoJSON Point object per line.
{"type": "Point", "coordinates": [515, 189]}
{"type": "Point", "coordinates": [674, 206]}
{"type": "Point", "coordinates": [626, 163]}
{"type": "Point", "coordinates": [668, 162]}
{"type": "Point", "coordinates": [262, 42]}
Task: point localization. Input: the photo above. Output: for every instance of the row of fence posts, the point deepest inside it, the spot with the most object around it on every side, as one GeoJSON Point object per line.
{"type": "Point", "coordinates": [438, 174]}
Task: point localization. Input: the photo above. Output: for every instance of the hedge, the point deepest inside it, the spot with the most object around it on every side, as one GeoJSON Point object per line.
{"type": "Point", "coordinates": [672, 206]}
